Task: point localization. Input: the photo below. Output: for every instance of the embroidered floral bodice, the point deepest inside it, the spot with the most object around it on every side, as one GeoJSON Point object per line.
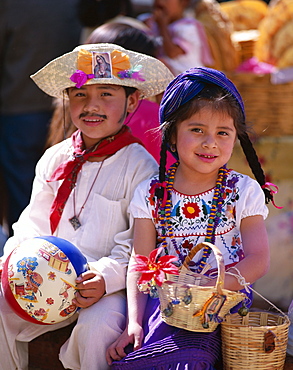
{"type": "Point", "coordinates": [242, 198]}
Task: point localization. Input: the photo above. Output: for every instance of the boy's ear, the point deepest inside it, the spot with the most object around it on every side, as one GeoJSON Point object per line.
{"type": "Point", "coordinates": [132, 101]}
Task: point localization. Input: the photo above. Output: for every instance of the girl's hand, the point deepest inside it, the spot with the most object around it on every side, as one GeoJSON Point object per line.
{"type": "Point", "coordinates": [132, 334]}
{"type": "Point", "coordinates": [90, 287]}
{"type": "Point", "coordinates": [160, 16]}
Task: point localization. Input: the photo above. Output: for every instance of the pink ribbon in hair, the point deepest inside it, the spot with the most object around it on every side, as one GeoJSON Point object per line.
{"type": "Point", "coordinates": [80, 78]}
{"type": "Point", "coordinates": [273, 189]}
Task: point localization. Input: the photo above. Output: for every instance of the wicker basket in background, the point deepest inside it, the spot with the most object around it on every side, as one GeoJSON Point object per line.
{"type": "Point", "coordinates": [191, 302]}
{"type": "Point", "coordinates": [269, 107]}
{"type": "Point", "coordinates": [244, 42]}
{"type": "Point", "coordinates": [257, 341]}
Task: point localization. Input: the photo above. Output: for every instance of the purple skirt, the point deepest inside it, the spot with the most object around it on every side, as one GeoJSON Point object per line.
{"type": "Point", "coordinates": [166, 347]}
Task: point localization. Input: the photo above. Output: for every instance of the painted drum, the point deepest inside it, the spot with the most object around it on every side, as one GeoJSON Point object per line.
{"type": "Point", "coordinates": [38, 279]}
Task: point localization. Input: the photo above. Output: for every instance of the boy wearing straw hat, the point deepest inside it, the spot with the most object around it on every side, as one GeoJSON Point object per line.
{"type": "Point", "coordinates": [81, 193]}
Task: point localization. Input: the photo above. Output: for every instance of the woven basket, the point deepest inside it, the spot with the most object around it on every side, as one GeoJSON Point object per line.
{"type": "Point", "coordinates": [269, 108]}
{"type": "Point", "coordinates": [257, 341]}
{"type": "Point", "coordinates": [187, 304]}
{"type": "Point", "coordinates": [245, 41]}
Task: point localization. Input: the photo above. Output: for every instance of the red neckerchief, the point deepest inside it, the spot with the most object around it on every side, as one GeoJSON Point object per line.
{"type": "Point", "coordinates": [70, 169]}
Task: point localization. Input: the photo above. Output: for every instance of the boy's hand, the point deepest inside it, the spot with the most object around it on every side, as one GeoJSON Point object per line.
{"type": "Point", "coordinates": [90, 287]}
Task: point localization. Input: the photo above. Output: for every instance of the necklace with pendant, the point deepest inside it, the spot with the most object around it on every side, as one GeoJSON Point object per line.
{"type": "Point", "coordinates": [75, 219]}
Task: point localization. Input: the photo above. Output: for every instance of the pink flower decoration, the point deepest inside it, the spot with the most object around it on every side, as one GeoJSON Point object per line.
{"type": "Point", "coordinates": [137, 76]}
{"type": "Point", "coordinates": [80, 78]}
{"type": "Point", "coordinates": [155, 268]}
{"type": "Point", "coordinates": [132, 73]}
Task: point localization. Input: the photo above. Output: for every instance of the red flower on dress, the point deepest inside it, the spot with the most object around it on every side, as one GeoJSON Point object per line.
{"type": "Point", "coordinates": [191, 210]}
{"type": "Point", "coordinates": [155, 268]}
{"type": "Point", "coordinates": [187, 244]}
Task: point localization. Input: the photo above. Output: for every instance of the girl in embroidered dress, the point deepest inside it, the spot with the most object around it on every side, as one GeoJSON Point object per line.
{"type": "Point", "coordinates": [200, 199]}
{"type": "Point", "coordinates": [81, 192]}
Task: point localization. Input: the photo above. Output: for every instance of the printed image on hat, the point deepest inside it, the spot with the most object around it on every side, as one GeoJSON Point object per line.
{"type": "Point", "coordinates": [103, 64]}
{"type": "Point", "coordinates": [38, 279]}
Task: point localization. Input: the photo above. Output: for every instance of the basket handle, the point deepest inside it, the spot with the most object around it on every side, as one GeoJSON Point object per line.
{"type": "Point", "coordinates": [219, 259]}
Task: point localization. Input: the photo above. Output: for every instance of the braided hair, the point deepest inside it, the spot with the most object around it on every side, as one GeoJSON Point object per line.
{"type": "Point", "coordinates": [204, 87]}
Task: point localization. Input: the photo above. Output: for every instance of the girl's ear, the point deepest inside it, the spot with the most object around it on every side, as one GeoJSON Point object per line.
{"type": "Point", "coordinates": [173, 139]}
{"type": "Point", "coordinates": [132, 101]}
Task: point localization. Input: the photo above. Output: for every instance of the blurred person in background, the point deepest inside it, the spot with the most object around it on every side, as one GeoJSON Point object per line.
{"type": "Point", "coordinates": [93, 13]}
{"type": "Point", "coordinates": [182, 39]}
{"type": "Point", "coordinates": [32, 32]}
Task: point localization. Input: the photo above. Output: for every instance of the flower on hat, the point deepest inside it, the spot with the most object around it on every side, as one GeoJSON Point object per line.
{"type": "Point", "coordinates": [132, 73]}
{"type": "Point", "coordinates": [154, 268]}
{"type": "Point", "coordinates": [80, 78]}
{"type": "Point", "coordinates": [121, 67]}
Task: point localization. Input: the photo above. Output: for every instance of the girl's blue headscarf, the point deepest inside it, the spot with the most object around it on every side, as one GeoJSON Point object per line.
{"type": "Point", "coordinates": [188, 84]}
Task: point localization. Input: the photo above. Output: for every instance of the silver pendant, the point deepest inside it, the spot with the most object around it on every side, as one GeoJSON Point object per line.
{"type": "Point", "coordinates": [75, 222]}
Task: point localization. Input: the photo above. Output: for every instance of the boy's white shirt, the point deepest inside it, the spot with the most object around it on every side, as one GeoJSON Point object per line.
{"type": "Point", "coordinates": [105, 237]}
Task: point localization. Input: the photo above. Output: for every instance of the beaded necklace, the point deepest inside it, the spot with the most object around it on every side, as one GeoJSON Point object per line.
{"type": "Point", "coordinates": [213, 221]}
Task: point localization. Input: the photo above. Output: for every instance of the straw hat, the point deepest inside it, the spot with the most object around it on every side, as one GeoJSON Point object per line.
{"type": "Point", "coordinates": [124, 67]}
